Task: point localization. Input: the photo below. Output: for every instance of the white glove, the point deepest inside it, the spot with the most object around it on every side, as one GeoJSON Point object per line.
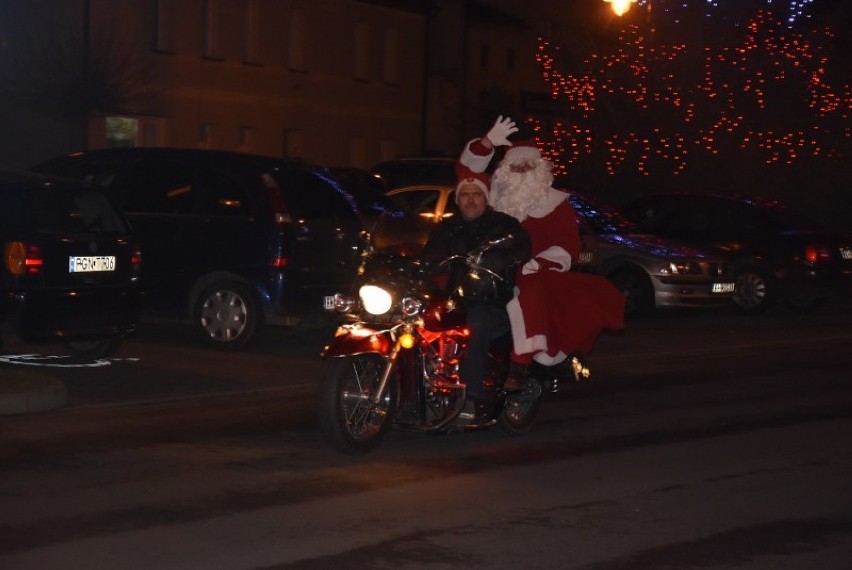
{"type": "Point", "coordinates": [502, 128]}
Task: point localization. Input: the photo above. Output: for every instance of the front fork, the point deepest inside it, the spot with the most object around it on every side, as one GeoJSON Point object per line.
{"type": "Point", "coordinates": [390, 362]}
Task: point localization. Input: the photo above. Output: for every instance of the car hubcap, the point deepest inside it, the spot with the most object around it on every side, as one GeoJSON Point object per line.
{"type": "Point", "coordinates": [751, 290]}
{"type": "Point", "coordinates": [224, 315]}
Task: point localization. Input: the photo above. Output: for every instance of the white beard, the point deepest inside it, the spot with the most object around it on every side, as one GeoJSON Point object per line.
{"type": "Point", "coordinates": [516, 193]}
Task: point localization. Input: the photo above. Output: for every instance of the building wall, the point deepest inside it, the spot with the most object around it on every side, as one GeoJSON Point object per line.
{"type": "Point", "coordinates": [332, 81]}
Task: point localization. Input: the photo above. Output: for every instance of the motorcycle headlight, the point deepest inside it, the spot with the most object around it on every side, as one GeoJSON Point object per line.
{"type": "Point", "coordinates": [375, 300]}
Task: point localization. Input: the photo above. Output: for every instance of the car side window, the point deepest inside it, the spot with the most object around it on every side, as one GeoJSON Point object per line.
{"type": "Point", "coordinates": [64, 211]}
{"type": "Point", "coordinates": [421, 203]}
{"type": "Point", "coordinates": [160, 187]}
{"type": "Point", "coordinates": [98, 171]}
{"type": "Point", "coordinates": [312, 196]}
{"type": "Point", "coordinates": [224, 194]}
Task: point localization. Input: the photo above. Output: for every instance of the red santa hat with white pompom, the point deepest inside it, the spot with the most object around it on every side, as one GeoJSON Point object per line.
{"type": "Point", "coordinates": [466, 176]}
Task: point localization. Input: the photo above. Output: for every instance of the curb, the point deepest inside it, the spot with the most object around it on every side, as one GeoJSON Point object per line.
{"type": "Point", "coordinates": [25, 391]}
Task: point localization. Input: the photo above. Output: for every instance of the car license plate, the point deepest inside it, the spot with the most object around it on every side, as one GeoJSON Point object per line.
{"type": "Point", "coordinates": [724, 287]}
{"type": "Point", "coordinates": [91, 263]}
{"type": "Point", "coordinates": [846, 253]}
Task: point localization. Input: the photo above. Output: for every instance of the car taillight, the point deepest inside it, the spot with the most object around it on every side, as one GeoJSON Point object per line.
{"type": "Point", "coordinates": [22, 258]}
{"type": "Point", "coordinates": [279, 262]}
{"type": "Point", "coordinates": [817, 253]}
{"type": "Point", "coordinates": [276, 202]}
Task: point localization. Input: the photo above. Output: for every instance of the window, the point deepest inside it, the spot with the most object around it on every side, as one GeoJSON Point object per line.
{"type": "Point", "coordinates": [314, 196]}
{"type": "Point", "coordinates": [358, 152]}
{"type": "Point", "coordinates": [224, 195]}
{"type": "Point", "coordinates": [123, 131]}
{"type": "Point", "coordinates": [210, 32]}
{"type": "Point", "coordinates": [246, 138]}
{"type": "Point", "coordinates": [205, 134]}
{"type": "Point", "coordinates": [361, 53]}
{"type": "Point", "coordinates": [422, 203]}
{"type": "Point", "coordinates": [391, 62]}
{"type": "Point", "coordinates": [292, 143]}
{"type": "Point", "coordinates": [296, 56]}
{"type": "Point", "coordinates": [163, 26]}
{"type": "Point", "coordinates": [250, 32]}
{"type": "Point", "coordinates": [160, 187]}
{"type": "Point", "coordinates": [64, 211]}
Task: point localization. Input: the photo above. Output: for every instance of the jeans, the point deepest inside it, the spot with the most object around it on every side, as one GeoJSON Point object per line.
{"type": "Point", "coordinates": [486, 323]}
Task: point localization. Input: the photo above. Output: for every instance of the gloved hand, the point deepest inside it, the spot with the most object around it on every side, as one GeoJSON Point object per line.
{"type": "Point", "coordinates": [501, 130]}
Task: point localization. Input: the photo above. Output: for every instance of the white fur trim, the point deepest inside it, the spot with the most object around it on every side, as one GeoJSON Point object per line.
{"type": "Point", "coordinates": [553, 199]}
{"type": "Point", "coordinates": [474, 181]}
{"type": "Point", "coordinates": [521, 153]}
{"type": "Point", "coordinates": [521, 342]}
{"type": "Point", "coordinates": [547, 360]}
{"type": "Point", "coordinates": [531, 266]}
{"type": "Point", "coordinates": [556, 254]}
{"type": "Point", "coordinates": [475, 162]}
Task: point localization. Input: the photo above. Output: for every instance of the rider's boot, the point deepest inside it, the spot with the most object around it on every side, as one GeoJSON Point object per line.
{"type": "Point", "coordinates": [516, 379]}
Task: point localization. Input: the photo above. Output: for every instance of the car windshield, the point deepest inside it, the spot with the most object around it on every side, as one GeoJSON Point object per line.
{"type": "Point", "coordinates": [601, 218]}
{"type": "Point", "coordinates": [75, 211]}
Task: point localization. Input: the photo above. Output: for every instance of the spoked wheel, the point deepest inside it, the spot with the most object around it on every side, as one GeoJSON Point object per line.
{"type": "Point", "coordinates": [519, 411]}
{"type": "Point", "coordinates": [348, 418]}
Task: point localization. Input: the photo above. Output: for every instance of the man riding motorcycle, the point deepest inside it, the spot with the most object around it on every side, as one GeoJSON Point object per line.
{"type": "Point", "coordinates": [484, 297]}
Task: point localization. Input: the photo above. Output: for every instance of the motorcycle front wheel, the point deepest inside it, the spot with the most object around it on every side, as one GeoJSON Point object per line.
{"type": "Point", "coordinates": [348, 418]}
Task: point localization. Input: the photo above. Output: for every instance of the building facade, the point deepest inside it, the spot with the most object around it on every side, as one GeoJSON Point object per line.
{"type": "Point", "coordinates": [337, 82]}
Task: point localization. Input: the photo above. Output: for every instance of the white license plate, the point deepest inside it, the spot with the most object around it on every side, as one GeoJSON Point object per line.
{"type": "Point", "coordinates": [846, 253]}
{"type": "Point", "coordinates": [90, 263]}
{"type": "Point", "coordinates": [328, 302]}
{"type": "Point", "coordinates": [724, 287]}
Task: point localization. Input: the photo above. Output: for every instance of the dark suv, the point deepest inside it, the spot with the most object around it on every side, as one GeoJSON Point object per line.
{"type": "Point", "coordinates": [231, 240]}
{"type": "Point", "coordinates": [775, 255]}
{"type": "Point", "coordinates": [70, 268]}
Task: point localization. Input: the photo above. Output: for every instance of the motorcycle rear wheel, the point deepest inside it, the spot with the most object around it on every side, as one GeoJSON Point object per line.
{"type": "Point", "coordinates": [348, 418]}
{"type": "Point", "coordinates": [518, 416]}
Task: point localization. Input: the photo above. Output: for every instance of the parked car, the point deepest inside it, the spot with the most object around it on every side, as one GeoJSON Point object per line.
{"type": "Point", "coordinates": [387, 223]}
{"type": "Point", "coordinates": [71, 266]}
{"type": "Point", "coordinates": [777, 256]}
{"type": "Point", "coordinates": [424, 206]}
{"type": "Point", "coordinates": [652, 272]}
{"type": "Point", "coordinates": [416, 170]}
{"type": "Point", "coordinates": [231, 240]}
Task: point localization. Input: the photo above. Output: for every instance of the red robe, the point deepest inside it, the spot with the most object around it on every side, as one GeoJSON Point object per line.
{"type": "Point", "coordinates": [557, 312]}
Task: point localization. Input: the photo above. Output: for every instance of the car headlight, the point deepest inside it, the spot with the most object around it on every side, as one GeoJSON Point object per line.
{"type": "Point", "coordinates": [375, 300]}
{"type": "Point", "coordinates": [681, 268]}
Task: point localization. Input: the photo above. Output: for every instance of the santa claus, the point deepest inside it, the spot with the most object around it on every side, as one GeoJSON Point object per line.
{"type": "Point", "coordinates": [555, 313]}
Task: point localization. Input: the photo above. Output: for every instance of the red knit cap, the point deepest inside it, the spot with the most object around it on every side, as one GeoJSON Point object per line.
{"type": "Point", "coordinates": [466, 176]}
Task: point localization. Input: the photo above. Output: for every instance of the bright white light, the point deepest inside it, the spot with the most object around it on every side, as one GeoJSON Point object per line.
{"type": "Point", "coordinates": [376, 300]}
{"type": "Point", "coordinates": [620, 6]}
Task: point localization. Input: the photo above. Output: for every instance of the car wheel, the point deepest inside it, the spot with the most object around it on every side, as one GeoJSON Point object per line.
{"type": "Point", "coordinates": [89, 350]}
{"type": "Point", "coordinates": [755, 291]}
{"type": "Point", "coordinates": [637, 290]}
{"type": "Point", "coordinates": [226, 315]}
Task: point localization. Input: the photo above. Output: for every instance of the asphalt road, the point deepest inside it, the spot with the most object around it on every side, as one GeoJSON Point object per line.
{"type": "Point", "coordinates": [704, 440]}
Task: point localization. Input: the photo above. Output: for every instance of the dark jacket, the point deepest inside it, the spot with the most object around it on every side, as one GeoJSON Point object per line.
{"type": "Point", "coordinates": [458, 236]}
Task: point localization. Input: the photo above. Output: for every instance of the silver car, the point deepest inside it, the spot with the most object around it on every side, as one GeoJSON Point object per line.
{"type": "Point", "coordinates": [652, 272]}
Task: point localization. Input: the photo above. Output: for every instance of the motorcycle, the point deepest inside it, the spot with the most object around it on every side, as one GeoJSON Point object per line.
{"type": "Point", "coordinates": [394, 358]}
